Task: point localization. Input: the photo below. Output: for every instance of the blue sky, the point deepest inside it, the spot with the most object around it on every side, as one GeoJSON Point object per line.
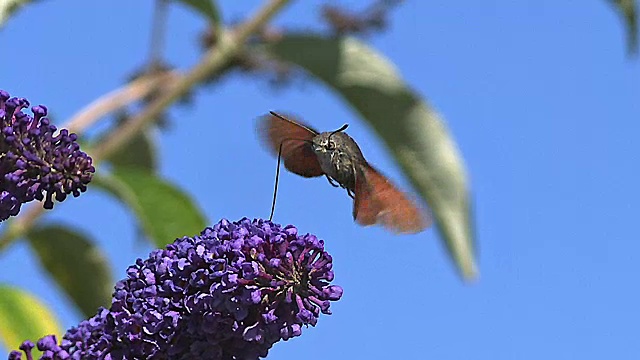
{"type": "Point", "coordinates": [541, 99]}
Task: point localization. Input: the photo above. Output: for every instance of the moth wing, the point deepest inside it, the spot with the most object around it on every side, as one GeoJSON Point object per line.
{"type": "Point", "coordinates": [294, 138]}
{"type": "Point", "coordinates": [378, 201]}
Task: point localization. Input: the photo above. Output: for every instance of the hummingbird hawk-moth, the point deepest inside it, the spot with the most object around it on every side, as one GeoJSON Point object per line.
{"type": "Point", "coordinates": [336, 155]}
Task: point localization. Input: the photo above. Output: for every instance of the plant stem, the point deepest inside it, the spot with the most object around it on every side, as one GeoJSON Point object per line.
{"type": "Point", "coordinates": [214, 60]}
{"type": "Point", "coordinates": [230, 43]}
{"type": "Point", "coordinates": [117, 99]}
{"type": "Point", "coordinates": [158, 33]}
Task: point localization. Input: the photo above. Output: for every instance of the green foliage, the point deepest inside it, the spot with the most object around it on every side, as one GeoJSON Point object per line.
{"type": "Point", "coordinates": [207, 8]}
{"type": "Point", "coordinates": [76, 264]}
{"type": "Point", "coordinates": [412, 130]}
{"type": "Point", "coordinates": [140, 153]}
{"type": "Point", "coordinates": [23, 316]}
{"type": "Point", "coordinates": [628, 9]}
{"type": "Point", "coordinates": [8, 8]}
{"type": "Point", "coordinates": [163, 210]}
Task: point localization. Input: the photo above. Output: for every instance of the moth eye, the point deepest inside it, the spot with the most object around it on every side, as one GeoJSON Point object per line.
{"type": "Point", "coordinates": [331, 145]}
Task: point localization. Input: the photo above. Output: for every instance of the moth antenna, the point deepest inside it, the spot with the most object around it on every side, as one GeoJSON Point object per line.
{"type": "Point", "coordinates": [342, 128]}
{"type": "Point", "coordinates": [278, 115]}
{"type": "Point", "coordinates": [275, 187]}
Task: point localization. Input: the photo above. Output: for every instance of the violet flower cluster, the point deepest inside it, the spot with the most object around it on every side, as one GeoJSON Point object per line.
{"type": "Point", "coordinates": [230, 293]}
{"type": "Point", "coordinates": [35, 163]}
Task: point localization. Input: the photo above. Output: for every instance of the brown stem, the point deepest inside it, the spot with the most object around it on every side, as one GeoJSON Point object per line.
{"type": "Point", "coordinates": [214, 60]}
{"type": "Point", "coordinates": [117, 99]}
{"type": "Point", "coordinates": [230, 43]}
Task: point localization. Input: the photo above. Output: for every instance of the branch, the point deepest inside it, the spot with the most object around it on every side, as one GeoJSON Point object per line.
{"type": "Point", "coordinates": [87, 116]}
{"type": "Point", "coordinates": [214, 60]}
{"type": "Point", "coordinates": [117, 99]}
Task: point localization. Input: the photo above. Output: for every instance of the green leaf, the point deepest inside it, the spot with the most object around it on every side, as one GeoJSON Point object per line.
{"type": "Point", "coordinates": [412, 130]}
{"type": "Point", "coordinates": [207, 8]}
{"type": "Point", "coordinates": [76, 264]}
{"type": "Point", "coordinates": [164, 211]}
{"type": "Point", "coordinates": [23, 317]}
{"type": "Point", "coordinates": [629, 12]}
{"type": "Point", "coordinates": [9, 7]}
{"type": "Point", "coordinates": [140, 153]}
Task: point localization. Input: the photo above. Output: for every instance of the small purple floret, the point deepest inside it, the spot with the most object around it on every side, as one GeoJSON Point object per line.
{"type": "Point", "coordinates": [229, 293]}
{"type": "Point", "coordinates": [35, 162]}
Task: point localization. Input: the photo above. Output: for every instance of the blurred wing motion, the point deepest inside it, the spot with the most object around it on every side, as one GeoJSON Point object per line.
{"type": "Point", "coordinates": [295, 140]}
{"type": "Point", "coordinates": [377, 201]}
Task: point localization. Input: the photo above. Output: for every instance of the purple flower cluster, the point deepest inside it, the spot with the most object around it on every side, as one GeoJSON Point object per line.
{"type": "Point", "coordinates": [230, 293]}
{"type": "Point", "coordinates": [35, 163]}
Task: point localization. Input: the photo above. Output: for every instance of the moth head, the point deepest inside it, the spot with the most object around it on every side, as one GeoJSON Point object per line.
{"type": "Point", "coordinates": [326, 141]}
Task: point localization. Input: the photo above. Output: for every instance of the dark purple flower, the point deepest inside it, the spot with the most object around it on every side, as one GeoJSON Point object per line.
{"type": "Point", "coordinates": [230, 293]}
{"type": "Point", "coordinates": [35, 162]}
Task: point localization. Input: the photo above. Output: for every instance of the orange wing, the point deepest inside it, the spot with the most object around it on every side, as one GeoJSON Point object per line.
{"type": "Point", "coordinates": [294, 137]}
{"type": "Point", "coordinates": [377, 201]}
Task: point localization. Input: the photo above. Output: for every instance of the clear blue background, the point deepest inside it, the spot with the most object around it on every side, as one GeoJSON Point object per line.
{"type": "Point", "coordinates": [541, 99]}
